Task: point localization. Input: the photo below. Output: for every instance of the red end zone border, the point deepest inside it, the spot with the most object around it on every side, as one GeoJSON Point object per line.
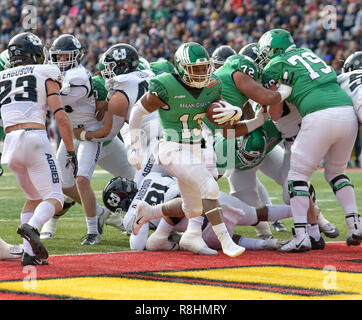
{"type": "Point", "coordinates": [139, 264]}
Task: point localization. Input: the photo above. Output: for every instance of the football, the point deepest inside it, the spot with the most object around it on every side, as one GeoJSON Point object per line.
{"type": "Point", "coordinates": [210, 112]}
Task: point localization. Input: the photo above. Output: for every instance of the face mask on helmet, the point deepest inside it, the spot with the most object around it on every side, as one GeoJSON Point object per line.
{"type": "Point", "coordinates": [66, 52]}
{"type": "Point", "coordinates": [193, 65]}
{"type": "Point", "coordinates": [251, 148]}
{"type": "Point", "coordinates": [272, 44]}
{"type": "Point", "coordinates": [119, 193]}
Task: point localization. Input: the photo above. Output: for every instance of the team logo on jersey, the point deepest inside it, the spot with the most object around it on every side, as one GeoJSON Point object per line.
{"type": "Point", "coordinates": [76, 43]}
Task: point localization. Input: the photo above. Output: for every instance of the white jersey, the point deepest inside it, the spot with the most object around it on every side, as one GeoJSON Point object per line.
{"type": "Point", "coordinates": [133, 85]}
{"type": "Point", "coordinates": [290, 121]}
{"type": "Point", "coordinates": [156, 188]}
{"type": "Point", "coordinates": [78, 98]}
{"type": "Point", "coordinates": [23, 93]}
{"type": "Point", "coordinates": [351, 83]}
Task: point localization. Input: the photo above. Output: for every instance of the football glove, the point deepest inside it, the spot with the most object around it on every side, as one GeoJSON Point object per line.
{"type": "Point", "coordinates": [72, 161]}
{"type": "Point", "coordinates": [227, 113]}
{"type": "Point", "coordinates": [285, 88]}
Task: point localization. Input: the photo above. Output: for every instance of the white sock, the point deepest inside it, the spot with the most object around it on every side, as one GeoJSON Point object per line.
{"type": "Point", "coordinates": [195, 224]}
{"type": "Point", "coordinates": [164, 227]}
{"type": "Point", "coordinates": [321, 220]}
{"type": "Point", "coordinates": [313, 231]}
{"type": "Point", "coordinates": [279, 212]}
{"type": "Point", "coordinates": [263, 228]}
{"type": "Point", "coordinates": [347, 199]}
{"type": "Point", "coordinates": [99, 209]}
{"type": "Point", "coordinates": [222, 233]}
{"type": "Point", "coordinates": [156, 211]}
{"type": "Point", "coordinates": [138, 242]}
{"type": "Point", "coordinates": [92, 225]}
{"type": "Point", "coordinates": [24, 218]}
{"type": "Point", "coordinates": [43, 212]}
{"type": "Point", "coordinates": [251, 244]}
{"type": "Point", "coordinates": [300, 205]}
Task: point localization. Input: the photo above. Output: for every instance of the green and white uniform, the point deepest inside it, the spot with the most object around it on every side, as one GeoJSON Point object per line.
{"type": "Point", "coordinates": [244, 64]}
{"type": "Point", "coordinates": [182, 117]}
{"type": "Point", "coordinates": [315, 84]}
{"type": "Point", "coordinates": [180, 151]}
{"type": "Point", "coordinates": [329, 124]}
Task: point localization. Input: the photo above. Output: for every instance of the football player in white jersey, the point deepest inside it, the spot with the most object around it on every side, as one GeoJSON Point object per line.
{"type": "Point", "coordinates": [26, 92]}
{"type": "Point", "coordinates": [157, 189]}
{"type": "Point", "coordinates": [125, 83]}
{"type": "Point", "coordinates": [351, 82]}
{"type": "Point", "coordinates": [77, 97]}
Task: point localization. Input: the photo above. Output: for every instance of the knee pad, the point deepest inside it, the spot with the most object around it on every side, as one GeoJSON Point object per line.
{"type": "Point", "coordinates": [209, 189]}
{"type": "Point", "coordinates": [339, 182]}
{"type": "Point", "coordinates": [298, 188]}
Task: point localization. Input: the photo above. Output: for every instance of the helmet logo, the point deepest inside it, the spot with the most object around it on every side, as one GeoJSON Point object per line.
{"type": "Point", "coordinates": [119, 54]}
{"type": "Point", "coordinates": [113, 200]}
{"type": "Point", "coordinates": [76, 43]}
{"type": "Point", "coordinates": [34, 40]}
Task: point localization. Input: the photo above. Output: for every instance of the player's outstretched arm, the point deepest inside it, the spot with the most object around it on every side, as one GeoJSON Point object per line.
{"type": "Point", "coordinates": [117, 112]}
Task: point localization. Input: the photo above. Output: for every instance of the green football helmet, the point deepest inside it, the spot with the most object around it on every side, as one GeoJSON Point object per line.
{"type": "Point", "coordinates": [143, 64]}
{"type": "Point", "coordinates": [193, 65]}
{"type": "Point", "coordinates": [274, 43]}
{"type": "Point", "coordinates": [4, 60]}
{"type": "Point", "coordinates": [251, 148]}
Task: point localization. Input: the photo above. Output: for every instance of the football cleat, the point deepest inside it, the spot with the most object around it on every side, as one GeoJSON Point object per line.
{"type": "Point", "coordinates": [279, 226]}
{"type": "Point", "coordinates": [91, 239]}
{"type": "Point", "coordinates": [142, 216]}
{"type": "Point", "coordinates": [102, 219]}
{"type": "Point", "coordinates": [231, 249]}
{"type": "Point", "coordinates": [16, 250]}
{"type": "Point", "coordinates": [49, 228]}
{"type": "Point", "coordinates": [32, 236]}
{"type": "Point", "coordinates": [115, 220]}
{"type": "Point", "coordinates": [193, 242]}
{"type": "Point", "coordinates": [354, 236]}
{"type": "Point", "coordinates": [317, 245]}
{"type": "Point", "coordinates": [28, 260]}
{"type": "Point", "coordinates": [329, 230]}
{"type": "Point", "coordinates": [159, 242]}
{"type": "Point", "coordinates": [296, 246]}
{"type": "Point", "coordinates": [274, 244]}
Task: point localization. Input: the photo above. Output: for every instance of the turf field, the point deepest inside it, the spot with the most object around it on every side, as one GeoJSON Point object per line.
{"type": "Point", "coordinates": [72, 226]}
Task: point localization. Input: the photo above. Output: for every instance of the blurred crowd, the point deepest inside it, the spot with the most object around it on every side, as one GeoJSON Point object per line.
{"type": "Point", "coordinates": [156, 28]}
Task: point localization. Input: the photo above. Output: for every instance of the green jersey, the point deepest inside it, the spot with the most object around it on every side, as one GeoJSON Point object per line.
{"type": "Point", "coordinates": [162, 66]}
{"type": "Point", "coordinates": [315, 84]}
{"type": "Point", "coordinates": [230, 92]}
{"type": "Point", "coordinates": [233, 153]}
{"type": "Point", "coordinates": [181, 118]}
{"type": "Point", "coordinates": [99, 88]}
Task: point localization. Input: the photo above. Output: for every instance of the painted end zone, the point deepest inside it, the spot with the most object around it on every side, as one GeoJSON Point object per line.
{"type": "Point", "coordinates": [334, 273]}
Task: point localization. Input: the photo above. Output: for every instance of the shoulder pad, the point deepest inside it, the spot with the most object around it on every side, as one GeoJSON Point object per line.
{"type": "Point", "coordinates": [77, 76]}
{"type": "Point", "coordinates": [50, 71]}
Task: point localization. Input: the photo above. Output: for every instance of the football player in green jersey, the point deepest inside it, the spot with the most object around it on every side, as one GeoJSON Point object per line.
{"type": "Point", "coordinates": [181, 99]}
{"type": "Point", "coordinates": [328, 131]}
